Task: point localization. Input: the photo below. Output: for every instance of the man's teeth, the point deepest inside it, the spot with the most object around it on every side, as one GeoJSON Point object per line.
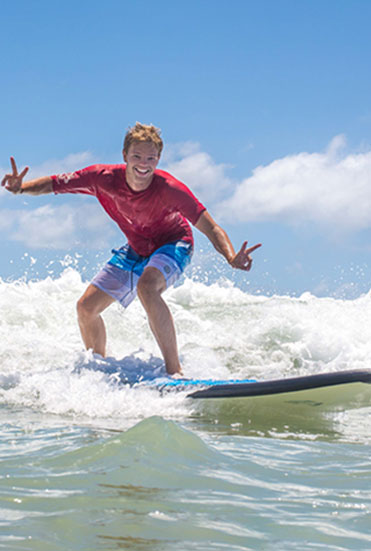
{"type": "Point", "coordinates": [141, 171]}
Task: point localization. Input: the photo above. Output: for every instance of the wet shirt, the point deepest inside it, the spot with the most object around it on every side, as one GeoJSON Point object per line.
{"type": "Point", "coordinates": [149, 218]}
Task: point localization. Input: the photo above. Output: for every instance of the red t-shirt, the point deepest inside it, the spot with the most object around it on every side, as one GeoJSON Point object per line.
{"type": "Point", "coordinates": [149, 218]}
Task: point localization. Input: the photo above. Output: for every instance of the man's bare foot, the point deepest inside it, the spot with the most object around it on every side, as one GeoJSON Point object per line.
{"type": "Point", "coordinates": [177, 375]}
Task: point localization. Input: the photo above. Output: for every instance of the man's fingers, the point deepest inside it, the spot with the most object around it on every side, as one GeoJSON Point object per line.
{"type": "Point", "coordinates": [252, 249]}
{"type": "Point", "coordinates": [14, 166]}
{"type": "Point", "coordinates": [14, 179]}
{"type": "Point", "coordinates": [242, 260]}
{"type": "Point", "coordinates": [24, 172]}
{"type": "Point", "coordinates": [4, 180]}
{"type": "Point", "coordinates": [243, 247]}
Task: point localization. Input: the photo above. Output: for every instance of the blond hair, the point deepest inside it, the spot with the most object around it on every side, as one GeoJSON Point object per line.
{"type": "Point", "coordinates": [143, 133]}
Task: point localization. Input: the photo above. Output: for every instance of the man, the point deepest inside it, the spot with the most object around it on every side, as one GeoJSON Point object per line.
{"type": "Point", "coordinates": [152, 208]}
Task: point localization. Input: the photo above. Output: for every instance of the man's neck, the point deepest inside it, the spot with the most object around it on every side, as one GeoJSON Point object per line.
{"type": "Point", "coordinates": [136, 185]}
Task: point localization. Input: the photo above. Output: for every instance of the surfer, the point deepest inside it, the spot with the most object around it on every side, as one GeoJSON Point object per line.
{"type": "Point", "coordinates": [152, 208]}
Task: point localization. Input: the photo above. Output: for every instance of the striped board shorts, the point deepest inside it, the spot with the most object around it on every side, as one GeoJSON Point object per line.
{"type": "Point", "coordinates": [119, 277]}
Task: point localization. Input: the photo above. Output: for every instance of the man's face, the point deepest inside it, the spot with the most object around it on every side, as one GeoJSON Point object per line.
{"type": "Point", "coordinates": [141, 160]}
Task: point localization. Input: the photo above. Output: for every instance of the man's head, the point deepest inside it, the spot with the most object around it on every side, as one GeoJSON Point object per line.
{"type": "Point", "coordinates": [142, 150]}
{"type": "Point", "coordinates": [143, 133]}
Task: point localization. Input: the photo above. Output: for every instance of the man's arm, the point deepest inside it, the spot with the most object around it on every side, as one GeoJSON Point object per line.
{"type": "Point", "coordinates": [14, 182]}
{"type": "Point", "coordinates": [223, 245]}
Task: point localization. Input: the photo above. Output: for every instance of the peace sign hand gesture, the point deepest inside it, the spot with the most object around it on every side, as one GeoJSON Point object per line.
{"type": "Point", "coordinates": [243, 260]}
{"type": "Point", "coordinates": [13, 182]}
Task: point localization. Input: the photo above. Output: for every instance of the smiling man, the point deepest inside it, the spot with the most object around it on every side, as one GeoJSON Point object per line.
{"type": "Point", "coordinates": [152, 208]}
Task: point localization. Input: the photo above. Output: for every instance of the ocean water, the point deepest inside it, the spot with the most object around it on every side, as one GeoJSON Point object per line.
{"type": "Point", "coordinates": [89, 464]}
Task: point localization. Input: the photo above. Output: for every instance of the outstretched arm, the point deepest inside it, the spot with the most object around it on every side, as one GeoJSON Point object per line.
{"type": "Point", "coordinates": [14, 182]}
{"type": "Point", "coordinates": [219, 238]}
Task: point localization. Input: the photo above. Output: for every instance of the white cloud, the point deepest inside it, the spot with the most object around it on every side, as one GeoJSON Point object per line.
{"type": "Point", "coordinates": [329, 188]}
{"type": "Point", "coordinates": [59, 227]}
{"type": "Point", "coordinates": [197, 170]}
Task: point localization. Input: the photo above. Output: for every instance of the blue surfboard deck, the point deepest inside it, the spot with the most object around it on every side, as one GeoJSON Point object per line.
{"type": "Point", "coordinates": [184, 384]}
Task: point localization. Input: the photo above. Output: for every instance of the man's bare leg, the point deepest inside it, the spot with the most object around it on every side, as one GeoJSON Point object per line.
{"type": "Point", "coordinates": [89, 308]}
{"type": "Point", "coordinates": [150, 286]}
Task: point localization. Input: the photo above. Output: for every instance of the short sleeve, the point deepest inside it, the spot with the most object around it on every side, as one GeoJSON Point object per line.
{"type": "Point", "coordinates": [186, 202]}
{"type": "Point", "coordinates": [80, 181]}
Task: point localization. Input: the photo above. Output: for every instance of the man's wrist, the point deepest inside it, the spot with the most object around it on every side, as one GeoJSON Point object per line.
{"type": "Point", "coordinates": [231, 260]}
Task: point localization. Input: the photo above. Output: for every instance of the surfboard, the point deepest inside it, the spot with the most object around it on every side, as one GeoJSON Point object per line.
{"type": "Point", "coordinates": [351, 387]}
{"type": "Point", "coordinates": [250, 388]}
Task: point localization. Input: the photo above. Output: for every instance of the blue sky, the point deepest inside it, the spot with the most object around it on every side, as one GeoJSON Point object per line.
{"type": "Point", "coordinates": [264, 108]}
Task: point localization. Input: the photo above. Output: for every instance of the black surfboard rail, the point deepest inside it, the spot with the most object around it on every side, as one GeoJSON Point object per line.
{"type": "Point", "coordinates": [280, 386]}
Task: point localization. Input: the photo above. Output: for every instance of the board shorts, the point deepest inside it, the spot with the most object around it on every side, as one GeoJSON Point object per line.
{"type": "Point", "coordinates": [119, 277]}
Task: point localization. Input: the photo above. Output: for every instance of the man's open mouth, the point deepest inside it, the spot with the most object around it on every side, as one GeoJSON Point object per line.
{"type": "Point", "coordinates": [141, 171]}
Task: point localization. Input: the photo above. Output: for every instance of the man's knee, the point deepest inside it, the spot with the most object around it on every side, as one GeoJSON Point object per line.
{"type": "Point", "coordinates": [92, 303]}
{"type": "Point", "coordinates": [151, 282]}
{"type": "Point", "coordinates": [84, 307]}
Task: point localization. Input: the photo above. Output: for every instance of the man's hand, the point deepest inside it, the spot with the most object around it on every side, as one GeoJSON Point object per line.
{"type": "Point", "coordinates": [243, 260]}
{"type": "Point", "coordinates": [13, 182]}
{"type": "Point", "coordinates": [219, 238]}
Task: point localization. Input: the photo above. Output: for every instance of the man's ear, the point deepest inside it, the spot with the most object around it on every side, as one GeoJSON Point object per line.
{"type": "Point", "coordinates": [124, 155]}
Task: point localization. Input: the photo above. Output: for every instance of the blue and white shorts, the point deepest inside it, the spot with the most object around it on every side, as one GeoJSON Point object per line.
{"type": "Point", "coordinates": [119, 277]}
